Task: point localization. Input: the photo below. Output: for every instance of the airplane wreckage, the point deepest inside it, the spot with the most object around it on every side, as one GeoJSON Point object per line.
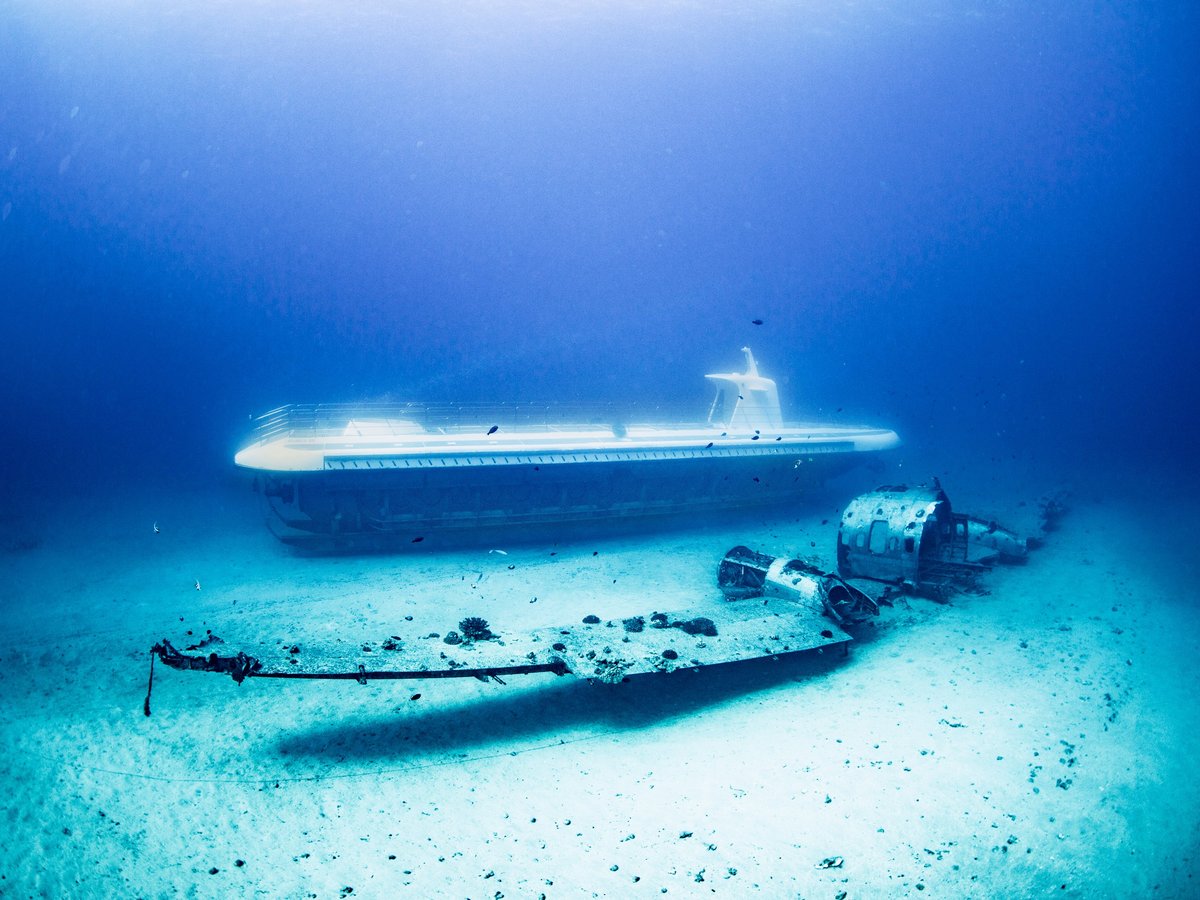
{"type": "Point", "coordinates": [891, 542]}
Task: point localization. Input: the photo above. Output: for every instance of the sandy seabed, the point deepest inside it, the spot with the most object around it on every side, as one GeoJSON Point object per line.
{"type": "Point", "coordinates": [1033, 741]}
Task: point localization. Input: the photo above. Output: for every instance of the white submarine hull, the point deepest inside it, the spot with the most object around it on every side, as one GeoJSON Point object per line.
{"type": "Point", "coordinates": [346, 472]}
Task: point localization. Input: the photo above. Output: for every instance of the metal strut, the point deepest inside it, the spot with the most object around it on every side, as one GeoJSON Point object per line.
{"type": "Point", "coordinates": [362, 676]}
{"type": "Point", "coordinates": [243, 666]}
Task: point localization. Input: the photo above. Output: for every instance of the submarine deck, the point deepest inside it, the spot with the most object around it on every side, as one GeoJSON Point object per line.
{"type": "Point", "coordinates": [389, 442]}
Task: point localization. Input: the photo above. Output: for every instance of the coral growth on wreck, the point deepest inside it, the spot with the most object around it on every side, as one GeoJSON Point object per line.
{"type": "Point", "coordinates": [473, 628]}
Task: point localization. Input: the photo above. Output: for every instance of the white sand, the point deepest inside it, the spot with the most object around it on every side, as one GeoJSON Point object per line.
{"type": "Point", "coordinates": [1036, 741]}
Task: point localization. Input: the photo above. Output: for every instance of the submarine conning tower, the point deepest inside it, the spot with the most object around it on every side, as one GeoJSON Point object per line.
{"type": "Point", "coordinates": [746, 402]}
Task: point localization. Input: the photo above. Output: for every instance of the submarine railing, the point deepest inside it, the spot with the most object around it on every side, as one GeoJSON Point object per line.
{"type": "Point", "coordinates": [411, 419]}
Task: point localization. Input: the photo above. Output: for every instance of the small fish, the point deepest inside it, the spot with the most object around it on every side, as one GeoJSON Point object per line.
{"type": "Point", "coordinates": [708, 446]}
{"type": "Point", "coordinates": [501, 552]}
{"type": "Point", "coordinates": [417, 539]}
{"type": "Point", "coordinates": [197, 584]}
{"type": "Point", "coordinates": [831, 862]}
{"type": "Point", "coordinates": [493, 429]}
{"type": "Point", "coordinates": [756, 321]}
{"type": "Point", "coordinates": [415, 697]}
{"type": "Point", "coordinates": [156, 531]}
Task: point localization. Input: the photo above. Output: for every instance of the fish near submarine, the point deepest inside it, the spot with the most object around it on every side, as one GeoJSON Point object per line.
{"type": "Point", "coordinates": [346, 475]}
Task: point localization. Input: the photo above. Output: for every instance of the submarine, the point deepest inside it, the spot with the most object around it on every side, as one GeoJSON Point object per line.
{"type": "Point", "coordinates": [344, 474]}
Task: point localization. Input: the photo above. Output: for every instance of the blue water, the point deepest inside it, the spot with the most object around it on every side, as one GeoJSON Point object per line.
{"type": "Point", "coordinates": [975, 224]}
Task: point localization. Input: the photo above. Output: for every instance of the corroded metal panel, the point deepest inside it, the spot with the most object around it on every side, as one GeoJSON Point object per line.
{"type": "Point", "coordinates": [882, 533]}
{"type": "Point", "coordinates": [661, 642]}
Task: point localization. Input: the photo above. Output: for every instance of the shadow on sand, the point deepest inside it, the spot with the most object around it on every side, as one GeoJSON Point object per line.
{"type": "Point", "coordinates": [566, 709]}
